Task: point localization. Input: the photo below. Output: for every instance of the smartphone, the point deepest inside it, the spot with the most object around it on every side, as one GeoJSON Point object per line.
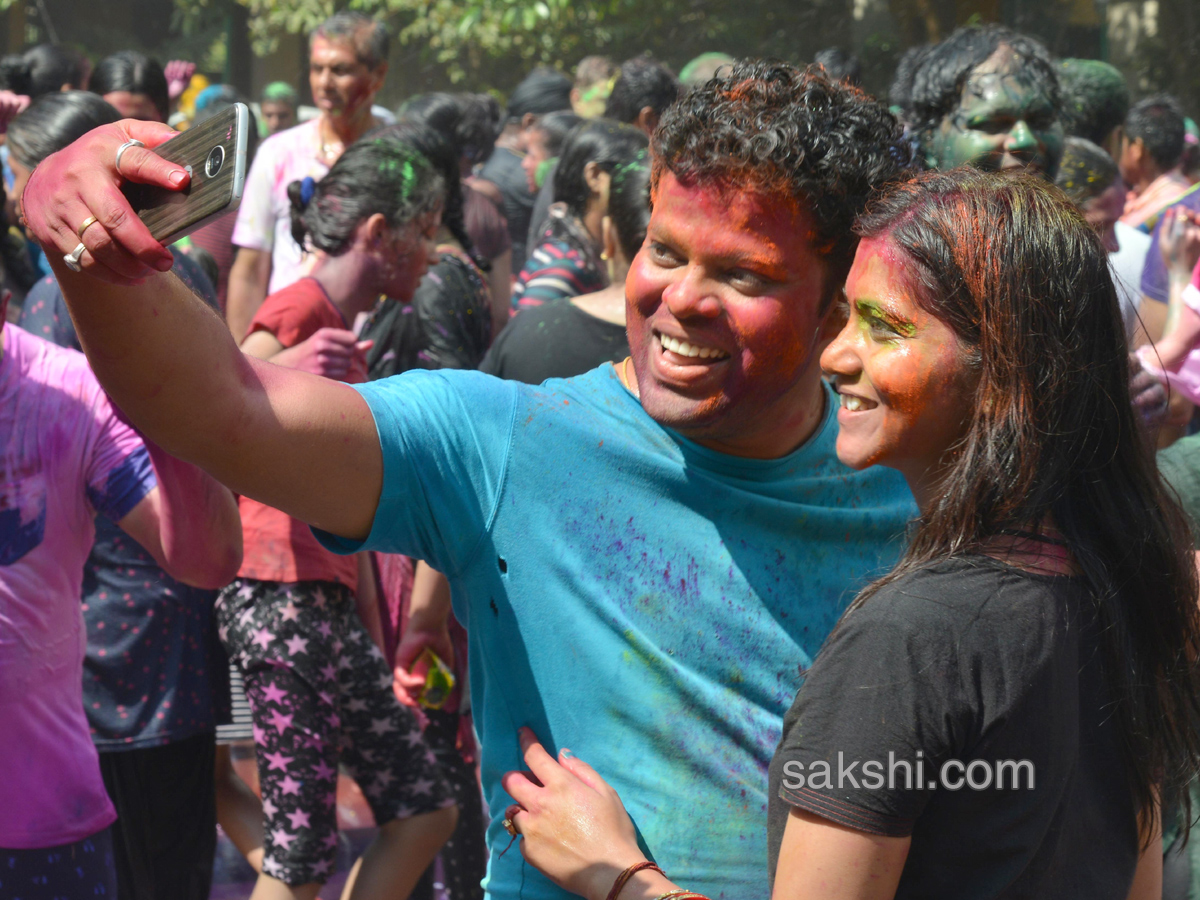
{"type": "Point", "coordinates": [214, 152]}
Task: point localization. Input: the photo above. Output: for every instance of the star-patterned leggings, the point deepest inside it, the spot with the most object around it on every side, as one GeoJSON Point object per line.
{"type": "Point", "coordinates": [321, 693]}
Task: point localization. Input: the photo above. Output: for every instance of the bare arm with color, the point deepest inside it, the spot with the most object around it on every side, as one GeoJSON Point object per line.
{"type": "Point", "coordinates": [821, 859]}
{"type": "Point", "coordinates": [189, 524]}
{"type": "Point", "coordinates": [301, 443]}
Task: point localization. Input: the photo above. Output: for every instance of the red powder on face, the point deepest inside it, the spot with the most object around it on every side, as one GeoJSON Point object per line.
{"type": "Point", "coordinates": [768, 181]}
{"type": "Point", "coordinates": [741, 276]}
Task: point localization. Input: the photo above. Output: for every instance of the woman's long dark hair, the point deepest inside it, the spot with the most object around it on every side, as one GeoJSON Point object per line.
{"type": "Point", "coordinates": [602, 141]}
{"type": "Point", "coordinates": [135, 73]}
{"type": "Point", "coordinates": [629, 203]}
{"type": "Point", "coordinates": [1018, 275]}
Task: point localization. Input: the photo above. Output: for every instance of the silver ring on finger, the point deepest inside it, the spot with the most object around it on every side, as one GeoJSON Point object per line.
{"type": "Point", "coordinates": [121, 152]}
{"type": "Point", "coordinates": [72, 258]}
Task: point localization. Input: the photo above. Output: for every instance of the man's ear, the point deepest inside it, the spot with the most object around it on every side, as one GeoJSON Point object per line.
{"type": "Point", "coordinates": [1138, 148]}
{"type": "Point", "coordinates": [378, 77]}
{"type": "Point", "coordinates": [647, 120]}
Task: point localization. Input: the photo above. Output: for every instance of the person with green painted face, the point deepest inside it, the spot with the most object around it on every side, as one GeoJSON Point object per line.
{"type": "Point", "coordinates": [988, 97]}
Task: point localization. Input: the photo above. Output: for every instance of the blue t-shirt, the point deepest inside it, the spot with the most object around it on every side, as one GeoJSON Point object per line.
{"type": "Point", "coordinates": [646, 602]}
{"type": "Point", "coordinates": [154, 671]}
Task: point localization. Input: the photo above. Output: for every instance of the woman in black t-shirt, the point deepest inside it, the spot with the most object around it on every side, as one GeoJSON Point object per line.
{"type": "Point", "coordinates": [998, 716]}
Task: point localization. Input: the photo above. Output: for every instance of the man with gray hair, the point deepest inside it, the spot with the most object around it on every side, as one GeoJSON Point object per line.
{"type": "Point", "coordinates": [347, 64]}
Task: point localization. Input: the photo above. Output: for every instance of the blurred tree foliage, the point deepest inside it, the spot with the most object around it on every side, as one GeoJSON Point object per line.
{"type": "Point", "coordinates": [478, 44]}
{"type": "Point", "coordinates": [492, 42]}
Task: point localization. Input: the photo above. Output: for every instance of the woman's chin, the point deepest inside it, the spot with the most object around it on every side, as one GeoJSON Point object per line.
{"type": "Point", "coordinates": [853, 456]}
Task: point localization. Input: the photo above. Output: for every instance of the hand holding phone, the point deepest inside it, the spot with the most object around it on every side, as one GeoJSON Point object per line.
{"type": "Point", "coordinates": [214, 152]}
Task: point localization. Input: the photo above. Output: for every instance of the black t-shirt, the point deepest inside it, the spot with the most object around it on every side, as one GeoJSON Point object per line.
{"type": "Point", "coordinates": [447, 325]}
{"type": "Point", "coordinates": [555, 340]}
{"type": "Point", "coordinates": [503, 169]}
{"type": "Point", "coordinates": [968, 661]}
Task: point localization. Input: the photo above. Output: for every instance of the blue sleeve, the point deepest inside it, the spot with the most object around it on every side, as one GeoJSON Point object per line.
{"type": "Point", "coordinates": [125, 486]}
{"type": "Point", "coordinates": [445, 437]}
{"type": "Point", "coordinates": [45, 315]}
{"type": "Point", "coordinates": [1154, 273]}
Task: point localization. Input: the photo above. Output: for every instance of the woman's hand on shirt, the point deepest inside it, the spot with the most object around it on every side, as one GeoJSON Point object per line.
{"type": "Point", "coordinates": [573, 826]}
{"type": "Point", "coordinates": [332, 352]}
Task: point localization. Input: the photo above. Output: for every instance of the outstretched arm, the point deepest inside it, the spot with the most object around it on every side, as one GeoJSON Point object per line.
{"type": "Point", "coordinates": [301, 443]}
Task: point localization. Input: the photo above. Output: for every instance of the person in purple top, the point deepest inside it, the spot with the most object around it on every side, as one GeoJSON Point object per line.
{"type": "Point", "coordinates": [155, 679]}
{"type": "Point", "coordinates": [69, 455]}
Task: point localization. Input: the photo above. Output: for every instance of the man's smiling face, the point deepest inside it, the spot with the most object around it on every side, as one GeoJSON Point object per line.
{"type": "Point", "coordinates": [726, 317]}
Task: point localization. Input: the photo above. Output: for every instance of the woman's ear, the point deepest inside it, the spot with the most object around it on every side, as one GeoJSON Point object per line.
{"type": "Point", "coordinates": [373, 231]}
{"type": "Point", "coordinates": [591, 177]}
{"type": "Point", "coordinates": [608, 239]}
{"type": "Point", "coordinates": [598, 182]}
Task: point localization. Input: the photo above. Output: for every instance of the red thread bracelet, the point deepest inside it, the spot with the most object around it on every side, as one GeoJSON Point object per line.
{"type": "Point", "coordinates": [623, 878]}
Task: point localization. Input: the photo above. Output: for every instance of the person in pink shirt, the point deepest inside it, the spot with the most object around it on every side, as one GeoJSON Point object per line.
{"type": "Point", "coordinates": [68, 455]}
{"type": "Point", "coordinates": [347, 65]}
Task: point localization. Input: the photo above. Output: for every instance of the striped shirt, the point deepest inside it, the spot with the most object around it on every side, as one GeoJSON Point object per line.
{"type": "Point", "coordinates": [564, 264]}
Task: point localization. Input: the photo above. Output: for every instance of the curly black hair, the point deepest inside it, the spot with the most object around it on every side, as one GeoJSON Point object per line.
{"type": "Point", "coordinates": [938, 81]}
{"type": "Point", "coordinates": [770, 126]}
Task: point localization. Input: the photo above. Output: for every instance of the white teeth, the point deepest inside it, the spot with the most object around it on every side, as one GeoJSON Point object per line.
{"type": "Point", "coordinates": [854, 404]}
{"type": "Point", "coordinates": [683, 348]}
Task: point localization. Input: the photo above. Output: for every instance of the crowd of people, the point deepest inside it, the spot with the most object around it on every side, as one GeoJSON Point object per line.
{"type": "Point", "coordinates": [653, 487]}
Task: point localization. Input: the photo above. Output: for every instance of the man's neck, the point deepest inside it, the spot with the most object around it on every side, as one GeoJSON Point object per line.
{"type": "Point", "coordinates": [348, 129]}
{"type": "Point", "coordinates": [1148, 178]}
{"type": "Point", "coordinates": [510, 138]}
{"type": "Point", "coordinates": [790, 430]}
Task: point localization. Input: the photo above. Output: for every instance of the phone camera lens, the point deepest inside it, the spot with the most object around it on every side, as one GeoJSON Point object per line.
{"type": "Point", "coordinates": [216, 159]}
